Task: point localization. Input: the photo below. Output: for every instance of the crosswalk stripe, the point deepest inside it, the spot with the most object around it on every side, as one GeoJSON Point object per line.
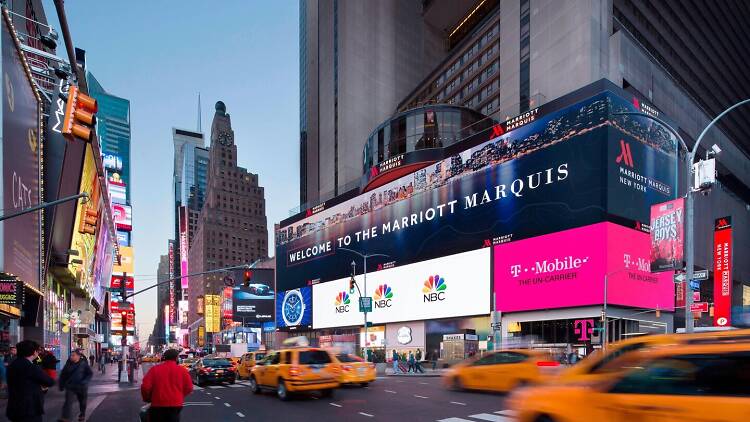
{"type": "Point", "coordinates": [453, 420]}
{"type": "Point", "coordinates": [236, 386]}
{"type": "Point", "coordinates": [195, 387]}
{"type": "Point", "coordinates": [490, 417]}
{"type": "Point", "coordinates": [506, 412]}
{"type": "Point", "coordinates": [215, 386]}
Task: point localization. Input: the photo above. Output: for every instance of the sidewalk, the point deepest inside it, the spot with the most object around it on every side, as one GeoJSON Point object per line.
{"type": "Point", "coordinates": [99, 388]}
{"type": "Point", "coordinates": [428, 371]}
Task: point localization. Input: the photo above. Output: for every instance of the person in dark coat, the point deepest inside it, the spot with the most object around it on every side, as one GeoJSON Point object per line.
{"type": "Point", "coordinates": [25, 383]}
{"type": "Point", "coordinates": [74, 379]}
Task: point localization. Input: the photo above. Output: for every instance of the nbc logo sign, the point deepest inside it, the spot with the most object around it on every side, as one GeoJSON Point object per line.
{"type": "Point", "coordinates": [342, 303]}
{"type": "Point", "coordinates": [434, 288]}
{"type": "Point", "coordinates": [383, 296]}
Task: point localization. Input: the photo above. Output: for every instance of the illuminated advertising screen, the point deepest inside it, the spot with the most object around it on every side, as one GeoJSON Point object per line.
{"type": "Point", "coordinates": [452, 286]}
{"type": "Point", "coordinates": [722, 271]}
{"type": "Point", "coordinates": [112, 162]}
{"type": "Point", "coordinates": [294, 309]}
{"type": "Point", "coordinates": [11, 292]}
{"type": "Point", "coordinates": [122, 214]}
{"type": "Point", "coordinates": [117, 280]}
{"type": "Point", "coordinates": [253, 303]}
{"type": "Point", "coordinates": [184, 245]}
{"type": "Point", "coordinates": [172, 285]}
{"type": "Point", "coordinates": [565, 169]}
{"type": "Point", "coordinates": [568, 269]}
{"type": "Point", "coordinates": [212, 314]}
{"type": "Point", "coordinates": [182, 308]}
{"type": "Point", "coordinates": [118, 192]}
{"type": "Point", "coordinates": [126, 261]}
{"type": "Point", "coordinates": [667, 235]}
{"type": "Point", "coordinates": [123, 238]}
{"type": "Point", "coordinates": [21, 155]}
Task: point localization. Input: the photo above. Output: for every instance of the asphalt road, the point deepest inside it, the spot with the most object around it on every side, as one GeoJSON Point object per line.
{"type": "Point", "coordinates": [411, 399]}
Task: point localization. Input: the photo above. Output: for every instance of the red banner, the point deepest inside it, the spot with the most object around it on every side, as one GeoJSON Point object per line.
{"type": "Point", "coordinates": [722, 271]}
{"type": "Point", "coordinates": [667, 235]}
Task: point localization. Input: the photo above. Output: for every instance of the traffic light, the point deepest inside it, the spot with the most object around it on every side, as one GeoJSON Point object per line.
{"type": "Point", "coordinates": [89, 216]}
{"type": "Point", "coordinates": [80, 115]}
{"type": "Point", "coordinates": [351, 285]}
{"type": "Point", "coordinates": [246, 277]}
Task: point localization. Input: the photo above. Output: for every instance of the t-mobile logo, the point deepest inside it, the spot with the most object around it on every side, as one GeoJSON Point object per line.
{"type": "Point", "coordinates": [515, 270]}
{"type": "Point", "coordinates": [625, 154]}
{"type": "Point", "coordinates": [584, 328]}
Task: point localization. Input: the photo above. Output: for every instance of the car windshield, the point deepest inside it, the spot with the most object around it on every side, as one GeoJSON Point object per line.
{"type": "Point", "coordinates": [189, 360]}
{"type": "Point", "coordinates": [348, 358]}
{"type": "Point", "coordinates": [216, 362]}
{"type": "Point", "coordinates": [314, 357]}
{"type": "Point", "coordinates": [260, 356]}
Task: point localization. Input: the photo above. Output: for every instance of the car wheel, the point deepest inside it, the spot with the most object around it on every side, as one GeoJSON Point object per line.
{"type": "Point", "coordinates": [457, 384]}
{"type": "Point", "coordinates": [327, 393]}
{"type": "Point", "coordinates": [232, 381]}
{"type": "Point", "coordinates": [364, 384]}
{"type": "Point", "coordinates": [254, 388]}
{"type": "Point", "coordinates": [281, 391]}
{"type": "Point", "coordinates": [544, 418]}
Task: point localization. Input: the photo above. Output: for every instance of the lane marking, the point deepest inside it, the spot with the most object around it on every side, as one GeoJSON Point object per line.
{"type": "Point", "coordinates": [490, 417]}
{"type": "Point", "coordinates": [94, 403]}
{"type": "Point", "coordinates": [366, 414]}
{"type": "Point", "coordinates": [197, 388]}
{"type": "Point", "coordinates": [213, 387]}
{"type": "Point", "coordinates": [236, 386]}
{"type": "Point", "coordinates": [453, 420]}
{"type": "Point", "coordinates": [240, 414]}
{"type": "Point", "coordinates": [506, 412]}
{"type": "Point", "coordinates": [458, 403]}
{"type": "Point", "coordinates": [334, 404]}
{"type": "Point", "coordinates": [198, 403]}
{"type": "Point", "coordinates": [420, 397]}
{"type": "Point", "coordinates": [227, 404]}
{"type": "Point", "coordinates": [390, 391]}
{"type": "Point", "coordinates": [424, 383]}
{"type": "Point", "coordinates": [217, 397]}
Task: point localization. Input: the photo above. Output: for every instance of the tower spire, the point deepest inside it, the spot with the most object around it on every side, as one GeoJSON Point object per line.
{"type": "Point", "coordinates": [199, 112]}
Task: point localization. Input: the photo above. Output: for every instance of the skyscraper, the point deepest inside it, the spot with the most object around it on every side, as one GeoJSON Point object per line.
{"type": "Point", "coordinates": [357, 60]}
{"type": "Point", "coordinates": [232, 227]}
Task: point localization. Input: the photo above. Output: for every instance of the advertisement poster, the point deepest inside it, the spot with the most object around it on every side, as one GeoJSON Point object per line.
{"type": "Point", "coordinates": [184, 247]}
{"type": "Point", "coordinates": [123, 238]}
{"type": "Point", "coordinates": [212, 313]}
{"type": "Point", "coordinates": [122, 214]}
{"type": "Point", "coordinates": [294, 309]}
{"type": "Point", "coordinates": [118, 192]}
{"type": "Point", "coordinates": [11, 292]}
{"type": "Point", "coordinates": [667, 235]}
{"type": "Point", "coordinates": [723, 271]}
{"type": "Point", "coordinates": [21, 149]}
{"type": "Point", "coordinates": [116, 283]}
{"type": "Point", "coordinates": [452, 286]}
{"type": "Point", "coordinates": [253, 303]}
{"type": "Point", "coordinates": [126, 261]}
{"type": "Point", "coordinates": [560, 172]}
{"type": "Point", "coordinates": [567, 269]}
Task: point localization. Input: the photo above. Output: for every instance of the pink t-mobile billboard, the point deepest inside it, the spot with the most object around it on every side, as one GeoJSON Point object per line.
{"type": "Point", "coordinates": [568, 268]}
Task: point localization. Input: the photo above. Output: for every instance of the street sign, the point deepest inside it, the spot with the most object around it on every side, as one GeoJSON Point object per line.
{"type": "Point", "coordinates": [496, 326]}
{"type": "Point", "coordinates": [700, 275]}
{"type": "Point", "coordinates": [365, 304]}
{"type": "Point", "coordinates": [679, 277]}
{"type": "Point", "coordinates": [695, 285]}
{"type": "Point", "coordinates": [696, 296]}
{"type": "Point", "coordinates": [699, 307]}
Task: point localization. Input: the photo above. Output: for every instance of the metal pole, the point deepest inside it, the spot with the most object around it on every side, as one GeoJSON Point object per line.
{"type": "Point", "coordinates": [366, 337]}
{"type": "Point", "coordinates": [604, 315]}
{"type": "Point", "coordinates": [44, 205]}
{"type": "Point", "coordinates": [80, 77]}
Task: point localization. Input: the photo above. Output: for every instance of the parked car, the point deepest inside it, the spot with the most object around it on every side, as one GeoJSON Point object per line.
{"type": "Point", "coordinates": [213, 370]}
{"type": "Point", "coordinates": [354, 370]}
{"type": "Point", "coordinates": [672, 383]}
{"type": "Point", "coordinates": [302, 369]}
{"type": "Point", "coordinates": [247, 362]}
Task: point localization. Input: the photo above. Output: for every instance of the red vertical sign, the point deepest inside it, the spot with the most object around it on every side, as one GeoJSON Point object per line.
{"type": "Point", "coordinates": [722, 271]}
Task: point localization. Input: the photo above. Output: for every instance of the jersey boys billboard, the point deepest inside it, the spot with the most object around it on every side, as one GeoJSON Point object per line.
{"type": "Point", "coordinates": [565, 169]}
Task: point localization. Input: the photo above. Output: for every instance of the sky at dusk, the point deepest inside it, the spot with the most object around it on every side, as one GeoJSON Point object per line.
{"type": "Point", "coordinates": [159, 55]}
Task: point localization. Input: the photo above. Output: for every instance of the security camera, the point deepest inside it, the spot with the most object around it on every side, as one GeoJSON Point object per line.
{"type": "Point", "coordinates": [715, 149]}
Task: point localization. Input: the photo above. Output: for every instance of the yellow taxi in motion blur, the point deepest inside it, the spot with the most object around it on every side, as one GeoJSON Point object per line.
{"type": "Point", "coordinates": [499, 371]}
{"type": "Point", "coordinates": [709, 382]}
{"type": "Point", "coordinates": [354, 370]}
{"type": "Point", "coordinates": [295, 370]}
{"type": "Point", "coordinates": [188, 362]}
{"type": "Point", "coordinates": [247, 362]}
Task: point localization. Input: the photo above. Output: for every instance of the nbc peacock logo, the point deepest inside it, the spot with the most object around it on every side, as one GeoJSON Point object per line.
{"type": "Point", "coordinates": [342, 303]}
{"type": "Point", "coordinates": [383, 296]}
{"type": "Point", "coordinates": [434, 289]}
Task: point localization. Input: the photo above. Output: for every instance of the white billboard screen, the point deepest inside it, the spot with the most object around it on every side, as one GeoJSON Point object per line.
{"type": "Point", "coordinates": [451, 286]}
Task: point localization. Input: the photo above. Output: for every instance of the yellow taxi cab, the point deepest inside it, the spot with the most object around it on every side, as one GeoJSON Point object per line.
{"type": "Point", "coordinates": [500, 371]}
{"type": "Point", "coordinates": [300, 369]}
{"type": "Point", "coordinates": [188, 362]}
{"type": "Point", "coordinates": [247, 362]}
{"type": "Point", "coordinates": [354, 370]}
{"type": "Point", "coordinates": [707, 382]}
{"type": "Point", "coordinates": [601, 364]}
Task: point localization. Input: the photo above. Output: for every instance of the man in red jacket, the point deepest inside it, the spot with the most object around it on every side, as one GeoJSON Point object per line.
{"type": "Point", "coordinates": [165, 386]}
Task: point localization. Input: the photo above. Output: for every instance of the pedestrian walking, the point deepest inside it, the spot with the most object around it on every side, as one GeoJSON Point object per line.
{"type": "Point", "coordinates": [74, 379]}
{"type": "Point", "coordinates": [395, 362]}
{"type": "Point", "coordinates": [418, 362]}
{"type": "Point", "coordinates": [91, 360]}
{"type": "Point", "coordinates": [165, 386]}
{"type": "Point", "coordinates": [25, 382]}
{"type": "Point", "coordinates": [11, 356]}
{"type": "Point", "coordinates": [411, 362]}
{"type": "Point", "coordinates": [120, 363]}
{"type": "Point", "coordinates": [102, 363]}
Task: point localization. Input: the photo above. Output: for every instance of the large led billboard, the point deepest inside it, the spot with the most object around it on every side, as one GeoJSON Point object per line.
{"type": "Point", "coordinates": [574, 164]}
{"type": "Point", "coordinates": [122, 214]}
{"type": "Point", "coordinates": [294, 309]}
{"type": "Point", "coordinates": [452, 286]}
{"type": "Point", "coordinates": [184, 247]}
{"type": "Point", "coordinates": [569, 268]}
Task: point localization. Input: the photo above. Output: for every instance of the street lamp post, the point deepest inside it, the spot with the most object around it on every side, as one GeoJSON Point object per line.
{"type": "Point", "coordinates": [364, 257]}
{"type": "Point", "coordinates": [689, 212]}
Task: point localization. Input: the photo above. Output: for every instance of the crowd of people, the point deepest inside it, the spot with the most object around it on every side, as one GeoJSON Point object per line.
{"type": "Point", "coordinates": [412, 361]}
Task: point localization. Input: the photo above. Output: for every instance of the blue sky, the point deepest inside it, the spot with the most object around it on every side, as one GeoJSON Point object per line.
{"type": "Point", "coordinates": [159, 55]}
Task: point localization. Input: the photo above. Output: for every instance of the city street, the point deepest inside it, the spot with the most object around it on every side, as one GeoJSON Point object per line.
{"type": "Point", "coordinates": [404, 398]}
